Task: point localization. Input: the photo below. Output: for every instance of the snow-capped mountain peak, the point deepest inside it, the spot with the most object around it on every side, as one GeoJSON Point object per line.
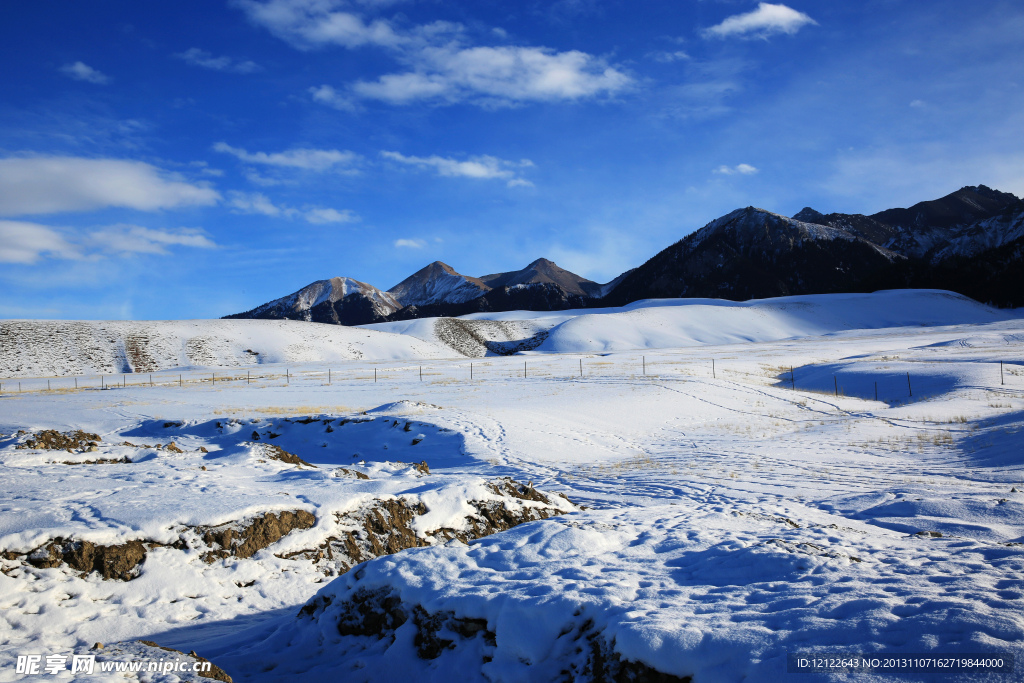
{"type": "Point", "coordinates": [437, 283]}
{"type": "Point", "coordinates": [337, 300]}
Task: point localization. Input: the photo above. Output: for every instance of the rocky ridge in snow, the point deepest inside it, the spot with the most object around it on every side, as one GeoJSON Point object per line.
{"type": "Point", "coordinates": [339, 300]}
{"type": "Point", "coordinates": [751, 254]}
{"type": "Point", "coordinates": [933, 229]}
{"type": "Point", "coordinates": [437, 283]}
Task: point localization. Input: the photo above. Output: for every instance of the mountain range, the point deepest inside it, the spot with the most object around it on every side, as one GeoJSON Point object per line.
{"type": "Point", "coordinates": [970, 241]}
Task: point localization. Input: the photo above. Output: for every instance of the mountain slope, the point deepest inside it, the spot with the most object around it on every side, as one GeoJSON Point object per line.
{"type": "Point", "coordinates": [988, 233]}
{"type": "Point", "coordinates": [543, 271]}
{"type": "Point", "coordinates": [753, 253]}
{"type": "Point", "coordinates": [437, 283]}
{"type": "Point", "coordinates": [925, 226]}
{"type": "Point", "coordinates": [340, 300]}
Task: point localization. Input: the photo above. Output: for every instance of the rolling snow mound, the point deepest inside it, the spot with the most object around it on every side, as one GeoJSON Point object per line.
{"type": "Point", "coordinates": [670, 323]}
{"type": "Point", "coordinates": [39, 348]}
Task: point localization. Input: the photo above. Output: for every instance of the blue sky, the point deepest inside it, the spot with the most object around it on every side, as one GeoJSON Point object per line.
{"type": "Point", "coordinates": [194, 159]}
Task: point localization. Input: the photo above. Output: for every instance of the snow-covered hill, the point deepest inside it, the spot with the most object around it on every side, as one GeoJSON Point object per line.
{"type": "Point", "coordinates": [691, 322]}
{"type": "Point", "coordinates": [44, 348]}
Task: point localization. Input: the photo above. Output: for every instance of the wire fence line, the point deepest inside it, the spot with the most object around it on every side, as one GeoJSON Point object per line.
{"type": "Point", "coordinates": [812, 378]}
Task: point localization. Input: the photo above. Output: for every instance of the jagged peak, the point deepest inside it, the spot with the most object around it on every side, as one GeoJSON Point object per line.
{"type": "Point", "coordinates": [808, 215]}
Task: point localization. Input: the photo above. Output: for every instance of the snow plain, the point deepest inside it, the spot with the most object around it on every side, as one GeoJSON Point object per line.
{"type": "Point", "coordinates": [737, 512]}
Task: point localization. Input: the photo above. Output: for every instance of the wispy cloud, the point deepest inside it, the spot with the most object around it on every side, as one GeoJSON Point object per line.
{"type": "Point", "coordinates": [410, 244]}
{"type": "Point", "coordinates": [762, 22]}
{"type": "Point", "coordinates": [259, 203]}
{"type": "Point", "coordinates": [27, 243]}
{"type": "Point", "coordinates": [668, 56]}
{"type": "Point", "coordinates": [304, 158]}
{"type": "Point", "coordinates": [740, 169]}
{"type": "Point", "coordinates": [202, 58]}
{"type": "Point", "coordinates": [325, 94]}
{"type": "Point", "coordinates": [308, 24]}
{"type": "Point", "coordinates": [322, 216]}
{"type": "Point", "coordinates": [135, 239]}
{"type": "Point", "coordinates": [496, 76]}
{"type": "Point", "coordinates": [83, 72]}
{"type": "Point", "coordinates": [37, 185]}
{"type": "Point", "coordinates": [441, 66]}
{"type": "Point", "coordinates": [482, 167]}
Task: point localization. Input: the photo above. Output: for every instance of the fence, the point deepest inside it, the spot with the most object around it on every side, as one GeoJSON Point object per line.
{"type": "Point", "coordinates": [913, 380]}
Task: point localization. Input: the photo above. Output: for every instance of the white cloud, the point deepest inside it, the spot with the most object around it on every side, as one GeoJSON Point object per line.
{"type": "Point", "coordinates": [484, 167]}
{"type": "Point", "coordinates": [27, 243]}
{"type": "Point", "coordinates": [742, 169]}
{"type": "Point", "coordinates": [52, 184]}
{"type": "Point", "coordinates": [918, 104]}
{"type": "Point", "coordinates": [83, 72]}
{"type": "Point", "coordinates": [410, 244]}
{"type": "Point", "coordinates": [667, 57]}
{"type": "Point", "coordinates": [766, 20]}
{"type": "Point", "coordinates": [325, 94]}
{"type": "Point", "coordinates": [496, 76]}
{"type": "Point", "coordinates": [321, 216]}
{"type": "Point", "coordinates": [135, 239]}
{"type": "Point", "coordinates": [440, 66]}
{"type": "Point", "coordinates": [204, 59]}
{"type": "Point", "coordinates": [259, 203]}
{"type": "Point", "coordinates": [307, 24]}
{"type": "Point", "coordinates": [306, 159]}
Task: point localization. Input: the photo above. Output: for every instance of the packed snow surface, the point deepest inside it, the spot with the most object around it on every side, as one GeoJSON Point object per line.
{"type": "Point", "coordinates": [747, 497]}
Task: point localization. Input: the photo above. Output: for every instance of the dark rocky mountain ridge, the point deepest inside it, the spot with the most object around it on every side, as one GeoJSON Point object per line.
{"type": "Point", "coordinates": [971, 241]}
{"type": "Point", "coordinates": [752, 253]}
{"type": "Point", "coordinates": [338, 301]}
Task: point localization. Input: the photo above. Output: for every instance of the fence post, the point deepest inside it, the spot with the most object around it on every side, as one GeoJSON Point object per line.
{"type": "Point", "coordinates": [76, 383]}
{"type": "Point", "coordinates": [179, 381]}
{"type": "Point", "coordinates": [837, 385]}
{"type": "Point", "coordinates": [47, 385]}
{"type": "Point", "coordinates": [792, 377]}
{"type": "Point", "coordinates": [421, 373]}
{"type": "Point", "coordinates": [524, 369]}
{"type": "Point", "coordinates": [287, 376]}
{"type": "Point", "coordinates": [908, 385]}
{"type": "Point", "coordinates": [1001, 381]}
{"type": "Point", "coordinates": [246, 376]}
{"type": "Point", "coordinates": [124, 381]}
{"type": "Point", "coordinates": [713, 375]}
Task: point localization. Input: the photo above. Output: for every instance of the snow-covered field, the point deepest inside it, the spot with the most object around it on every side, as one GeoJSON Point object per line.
{"type": "Point", "coordinates": [59, 348]}
{"type": "Point", "coordinates": [735, 512]}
